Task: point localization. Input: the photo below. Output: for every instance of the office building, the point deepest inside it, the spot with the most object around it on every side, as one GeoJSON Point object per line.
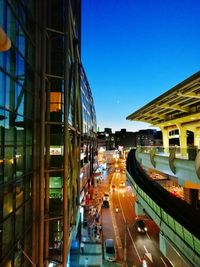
{"type": "Point", "coordinates": [47, 118]}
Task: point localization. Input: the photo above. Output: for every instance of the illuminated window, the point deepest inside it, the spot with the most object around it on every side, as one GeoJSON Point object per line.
{"type": "Point", "coordinates": [55, 102]}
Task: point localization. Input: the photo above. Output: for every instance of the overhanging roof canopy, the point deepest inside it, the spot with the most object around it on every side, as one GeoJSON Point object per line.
{"type": "Point", "coordinates": [182, 101]}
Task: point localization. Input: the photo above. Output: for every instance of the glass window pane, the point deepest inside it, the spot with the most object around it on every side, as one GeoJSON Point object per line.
{"type": "Point", "coordinates": [10, 93]}
{"type": "Point", "coordinates": [1, 12]}
{"type": "Point", "coordinates": [19, 157]}
{"type": "Point", "coordinates": [20, 67]}
{"type": "Point", "coordinates": [28, 187]}
{"type": "Point", "coordinates": [7, 204]}
{"type": "Point", "coordinates": [28, 214]}
{"type": "Point", "coordinates": [8, 164]}
{"type": "Point", "coordinates": [19, 222]}
{"type": "Point", "coordinates": [19, 191]}
{"type": "Point", "coordinates": [29, 105]}
{"type": "Point", "coordinates": [2, 86]}
{"type": "Point", "coordinates": [8, 238]}
{"type": "Point", "coordinates": [19, 99]}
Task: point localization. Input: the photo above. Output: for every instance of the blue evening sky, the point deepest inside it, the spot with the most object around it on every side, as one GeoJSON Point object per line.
{"type": "Point", "coordinates": [135, 50]}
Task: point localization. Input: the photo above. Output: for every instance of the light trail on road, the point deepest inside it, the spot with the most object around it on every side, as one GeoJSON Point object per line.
{"type": "Point", "coordinates": [125, 221]}
{"type": "Point", "coordinates": [117, 236]}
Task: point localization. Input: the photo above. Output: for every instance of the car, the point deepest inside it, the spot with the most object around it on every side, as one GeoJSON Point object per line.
{"type": "Point", "coordinates": [105, 204]}
{"type": "Point", "coordinates": [141, 227]}
{"type": "Point", "coordinates": [106, 196]}
{"type": "Point", "coordinates": [109, 250]}
{"type": "Point", "coordinates": [122, 184]}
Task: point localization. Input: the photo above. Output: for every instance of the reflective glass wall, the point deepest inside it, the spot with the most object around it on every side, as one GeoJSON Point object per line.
{"type": "Point", "coordinates": [89, 132]}
{"type": "Point", "coordinates": [16, 129]}
{"type": "Point", "coordinates": [47, 117]}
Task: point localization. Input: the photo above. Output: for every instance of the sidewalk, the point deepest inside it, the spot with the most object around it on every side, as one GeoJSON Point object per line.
{"type": "Point", "coordinates": [93, 250]}
{"type": "Point", "coordinates": [92, 247]}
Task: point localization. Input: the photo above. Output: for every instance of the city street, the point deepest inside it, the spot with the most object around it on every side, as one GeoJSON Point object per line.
{"type": "Point", "coordinates": [132, 247]}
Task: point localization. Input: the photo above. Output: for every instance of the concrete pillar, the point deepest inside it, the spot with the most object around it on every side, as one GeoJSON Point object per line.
{"type": "Point", "coordinates": [182, 140]}
{"type": "Point", "coordinates": [197, 137]}
{"type": "Point", "coordinates": [165, 138]}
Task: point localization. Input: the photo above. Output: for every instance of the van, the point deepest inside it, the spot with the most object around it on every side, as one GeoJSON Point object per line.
{"type": "Point", "coordinates": [109, 250]}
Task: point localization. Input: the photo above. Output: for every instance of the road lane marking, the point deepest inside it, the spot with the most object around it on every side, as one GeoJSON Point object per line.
{"type": "Point", "coordinates": [148, 236]}
{"type": "Point", "coordinates": [134, 245]}
{"type": "Point", "coordinates": [128, 229]}
{"type": "Point", "coordinates": [118, 241]}
{"type": "Point", "coordinates": [116, 231]}
{"type": "Point", "coordinates": [163, 261]}
{"type": "Point", "coordinates": [145, 249]}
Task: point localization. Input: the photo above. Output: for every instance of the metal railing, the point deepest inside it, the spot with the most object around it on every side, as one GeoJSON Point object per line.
{"type": "Point", "coordinates": [176, 214]}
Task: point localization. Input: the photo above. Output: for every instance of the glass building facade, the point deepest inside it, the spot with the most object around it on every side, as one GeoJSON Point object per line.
{"type": "Point", "coordinates": [47, 121]}
{"type": "Point", "coordinates": [89, 135]}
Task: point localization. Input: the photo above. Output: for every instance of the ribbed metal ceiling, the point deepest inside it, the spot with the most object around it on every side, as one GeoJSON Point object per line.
{"type": "Point", "coordinates": [181, 101]}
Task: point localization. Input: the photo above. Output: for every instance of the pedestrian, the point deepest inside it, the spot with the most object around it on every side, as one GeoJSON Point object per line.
{"type": "Point", "coordinates": [97, 237]}
{"type": "Point", "coordinates": [82, 247]}
{"type": "Point", "coordinates": [100, 228]}
{"type": "Point", "coordinates": [55, 243]}
{"type": "Point", "coordinates": [86, 262]}
{"type": "Point", "coordinates": [98, 217]}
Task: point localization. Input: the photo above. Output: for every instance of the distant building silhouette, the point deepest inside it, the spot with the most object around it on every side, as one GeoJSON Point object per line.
{"type": "Point", "coordinates": [149, 137]}
{"type": "Point", "coordinates": [106, 139]}
{"type": "Point", "coordinates": [125, 139]}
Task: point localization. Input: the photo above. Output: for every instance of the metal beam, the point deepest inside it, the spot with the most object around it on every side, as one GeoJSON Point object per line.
{"type": "Point", "coordinates": [174, 107]}
{"type": "Point", "coordinates": [190, 95]}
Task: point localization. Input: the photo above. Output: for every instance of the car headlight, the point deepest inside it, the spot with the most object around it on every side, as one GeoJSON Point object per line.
{"type": "Point", "coordinates": [144, 263]}
{"type": "Point", "coordinates": [139, 229]}
{"type": "Point", "coordinates": [145, 228]}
